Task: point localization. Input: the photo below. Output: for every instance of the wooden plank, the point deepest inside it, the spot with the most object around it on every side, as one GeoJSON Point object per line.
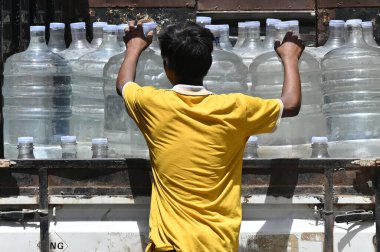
{"type": "Point", "coordinates": [257, 5]}
{"type": "Point", "coordinates": [141, 3]}
{"type": "Point", "coordinates": [347, 3]}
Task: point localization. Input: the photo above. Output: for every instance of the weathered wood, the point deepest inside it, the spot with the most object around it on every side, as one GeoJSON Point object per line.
{"type": "Point", "coordinates": [258, 5]}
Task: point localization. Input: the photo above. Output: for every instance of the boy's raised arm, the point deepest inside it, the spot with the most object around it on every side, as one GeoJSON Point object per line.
{"type": "Point", "coordinates": [136, 43]}
{"type": "Point", "coordinates": [290, 50]}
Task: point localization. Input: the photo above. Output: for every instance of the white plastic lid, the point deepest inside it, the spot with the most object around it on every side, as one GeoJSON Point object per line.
{"type": "Point", "coordinates": [122, 26]}
{"type": "Point", "coordinates": [99, 24]}
{"type": "Point", "coordinates": [354, 22]}
{"type": "Point", "coordinates": [336, 22]}
{"type": "Point", "coordinates": [272, 21]}
{"type": "Point", "coordinates": [213, 27]}
{"type": "Point", "coordinates": [78, 25]}
{"type": "Point", "coordinates": [68, 139]}
{"type": "Point", "coordinates": [241, 24]}
{"type": "Point", "coordinates": [201, 19]}
{"type": "Point", "coordinates": [281, 25]}
{"type": "Point", "coordinates": [57, 26]}
{"type": "Point", "coordinates": [252, 139]}
{"type": "Point", "coordinates": [252, 24]}
{"type": "Point", "coordinates": [224, 27]}
{"type": "Point", "coordinates": [149, 26]}
{"type": "Point", "coordinates": [367, 24]}
{"type": "Point", "coordinates": [99, 141]}
{"type": "Point", "coordinates": [25, 140]}
{"type": "Point", "coordinates": [319, 140]}
{"type": "Point", "coordinates": [293, 22]}
{"type": "Point", "coordinates": [37, 28]}
{"type": "Point", "coordinates": [110, 28]}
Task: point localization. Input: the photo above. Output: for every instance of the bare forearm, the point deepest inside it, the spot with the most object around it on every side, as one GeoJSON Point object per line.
{"type": "Point", "coordinates": [291, 91]}
{"type": "Point", "coordinates": [127, 72]}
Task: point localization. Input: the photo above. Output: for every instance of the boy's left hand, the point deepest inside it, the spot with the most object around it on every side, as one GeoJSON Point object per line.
{"type": "Point", "coordinates": [135, 39]}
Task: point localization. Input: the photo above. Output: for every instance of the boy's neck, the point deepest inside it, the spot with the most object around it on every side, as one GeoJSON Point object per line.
{"type": "Point", "coordinates": [198, 82]}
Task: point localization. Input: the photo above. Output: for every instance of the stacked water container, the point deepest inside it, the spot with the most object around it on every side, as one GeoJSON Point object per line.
{"type": "Point", "coordinates": [87, 83]}
{"type": "Point", "coordinates": [351, 77]}
{"type": "Point", "coordinates": [57, 37]}
{"type": "Point", "coordinates": [270, 35]}
{"type": "Point", "coordinates": [293, 134]}
{"type": "Point", "coordinates": [124, 136]}
{"type": "Point", "coordinates": [97, 34]}
{"type": "Point", "coordinates": [37, 95]}
{"type": "Point", "coordinates": [227, 74]}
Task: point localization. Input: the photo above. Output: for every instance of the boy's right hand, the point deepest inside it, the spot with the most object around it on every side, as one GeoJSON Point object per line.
{"type": "Point", "coordinates": [290, 48]}
{"type": "Point", "coordinates": [135, 39]}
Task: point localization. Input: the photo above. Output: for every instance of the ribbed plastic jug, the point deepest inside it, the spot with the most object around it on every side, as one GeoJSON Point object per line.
{"type": "Point", "coordinates": [79, 45]}
{"type": "Point", "coordinates": [97, 34]}
{"type": "Point", "coordinates": [37, 94]}
{"type": "Point", "coordinates": [351, 77]}
{"type": "Point", "coordinates": [87, 83]}
{"type": "Point", "coordinates": [227, 74]}
{"type": "Point", "coordinates": [252, 46]}
{"type": "Point", "coordinates": [267, 77]}
{"type": "Point", "coordinates": [57, 37]}
{"type": "Point", "coordinates": [335, 40]}
{"type": "Point", "coordinates": [124, 137]}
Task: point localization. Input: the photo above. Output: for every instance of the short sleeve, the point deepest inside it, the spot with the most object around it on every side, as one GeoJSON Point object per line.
{"type": "Point", "coordinates": [262, 115]}
{"type": "Point", "coordinates": [130, 92]}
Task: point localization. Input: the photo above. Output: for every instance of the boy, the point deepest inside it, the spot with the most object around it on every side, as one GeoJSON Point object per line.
{"type": "Point", "coordinates": [196, 138]}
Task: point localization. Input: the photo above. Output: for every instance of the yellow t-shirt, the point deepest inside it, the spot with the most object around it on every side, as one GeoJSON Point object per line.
{"type": "Point", "coordinates": [196, 142]}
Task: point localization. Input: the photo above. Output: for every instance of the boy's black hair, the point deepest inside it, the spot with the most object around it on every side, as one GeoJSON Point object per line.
{"type": "Point", "coordinates": [186, 49]}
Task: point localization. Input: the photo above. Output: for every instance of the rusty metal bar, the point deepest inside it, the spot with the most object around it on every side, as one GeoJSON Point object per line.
{"type": "Point", "coordinates": [43, 205]}
{"type": "Point", "coordinates": [263, 5]}
{"type": "Point", "coordinates": [328, 244]}
{"type": "Point", "coordinates": [141, 3]}
{"type": "Point", "coordinates": [347, 3]}
{"type": "Point", "coordinates": [377, 208]}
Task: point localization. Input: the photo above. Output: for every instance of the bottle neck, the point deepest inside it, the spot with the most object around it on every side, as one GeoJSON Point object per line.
{"type": "Point", "coordinates": [97, 32]}
{"type": "Point", "coordinates": [79, 39]}
{"type": "Point", "coordinates": [224, 35]}
{"type": "Point", "coordinates": [37, 41]}
{"type": "Point", "coordinates": [216, 40]}
{"type": "Point", "coordinates": [280, 33]}
{"type": "Point", "coordinates": [57, 36]}
{"type": "Point", "coordinates": [69, 150]}
{"type": "Point", "coordinates": [368, 36]}
{"type": "Point", "coordinates": [253, 34]}
{"type": "Point", "coordinates": [99, 151]}
{"type": "Point", "coordinates": [355, 36]}
{"type": "Point", "coordinates": [109, 40]}
{"type": "Point", "coordinates": [319, 150]}
{"type": "Point", "coordinates": [242, 33]}
{"type": "Point", "coordinates": [336, 37]}
{"type": "Point", "coordinates": [25, 151]}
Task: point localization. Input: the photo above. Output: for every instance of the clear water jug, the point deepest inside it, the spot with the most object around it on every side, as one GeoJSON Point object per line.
{"type": "Point", "coordinates": [97, 34]}
{"type": "Point", "coordinates": [227, 74]}
{"type": "Point", "coordinates": [351, 77]}
{"type": "Point", "coordinates": [124, 137]}
{"type": "Point", "coordinates": [87, 83]}
{"type": "Point", "coordinates": [79, 45]}
{"type": "Point", "coordinates": [252, 46]}
{"type": "Point", "coordinates": [270, 34]}
{"type": "Point", "coordinates": [267, 77]}
{"type": "Point", "coordinates": [242, 35]}
{"type": "Point", "coordinates": [57, 37]}
{"type": "Point", "coordinates": [335, 39]}
{"type": "Point", "coordinates": [37, 95]}
{"type": "Point", "coordinates": [203, 21]}
{"type": "Point", "coordinates": [368, 33]}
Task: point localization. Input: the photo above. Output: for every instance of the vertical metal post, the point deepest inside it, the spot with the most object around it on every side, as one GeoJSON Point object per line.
{"type": "Point", "coordinates": [43, 205]}
{"type": "Point", "coordinates": [329, 210]}
{"type": "Point", "coordinates": [1, 78]}
{"type": "Point", "coordinates": [377, 207]}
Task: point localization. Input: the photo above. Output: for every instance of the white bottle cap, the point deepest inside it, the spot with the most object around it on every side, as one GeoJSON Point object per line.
{"type": "Point", "coordinates": [99, 141]}
{"type": "Point", "coordinates": [224, 27]}
{"type": "Point", "coordinates": [281, 25]}
{"type": "Point", "coordinates": [252, 139]}
{"type": "Point", "coordinates": [241, 24]}
{"type": "Point", "coordinates": [25, 140]}
{"type": "Point", "coordinates": [150, 26]}
{"type": "Point", "coordinates": [354, 22]}
{"type": "Point", "coordinates": [110, 28]}
{"type": "Point", "coordinates": [367, 24]}
{"type": "Point", "coordinates": [37, 28]}
{"type": "Point", "coordinates": [57, 26]}
{"type": "Point", "coordinates": [215, 29]}
{"type": "Point", "coordinates": [121, 27]}
{"type": "Point", "coordinates": [78, 25]}
{"type": "Point", "coordinates": [272, 21]}
{"type": "Point", "coordinates": [99, 24]}
{"type": "Point", "coordinates": [201, 19]}
{"type": "Point", "coordinates": [336, 23]}
{"type": "Point", "coordinates": [293, 22]}
{"type": "Point", "coordinates": [320, 140]}
{"type": "Point", "coordinates": [252, 24]}
{"type": "Point", "coordinates": [68, 139]}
